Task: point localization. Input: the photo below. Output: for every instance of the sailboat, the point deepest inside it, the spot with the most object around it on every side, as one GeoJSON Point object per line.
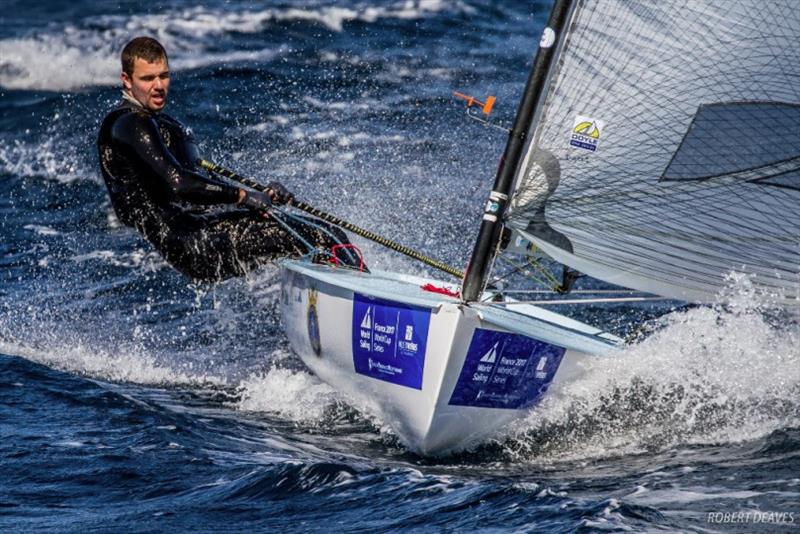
{"type": "Point", "coordinates": [654, 148]}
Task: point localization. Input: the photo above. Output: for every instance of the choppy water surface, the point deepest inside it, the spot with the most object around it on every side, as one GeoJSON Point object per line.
{"type": "Point", "coordinates": [133, 400]}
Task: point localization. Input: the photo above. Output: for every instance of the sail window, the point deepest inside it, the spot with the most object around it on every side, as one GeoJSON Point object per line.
{"type": "Point", "coordinates": [751, 141]}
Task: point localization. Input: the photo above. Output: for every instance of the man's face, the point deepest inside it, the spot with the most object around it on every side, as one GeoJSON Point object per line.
{"type": "Point", "coordinates": [149, 83]}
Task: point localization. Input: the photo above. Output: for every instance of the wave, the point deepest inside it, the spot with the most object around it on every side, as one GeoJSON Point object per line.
{"type": "Point", "coordinates": [128, 365]}
{"type": "Point", "coordinates": [51, 156]}
{"type": "Point", "coordinates": [85, 54]}
{"type": "Point", "coordinates": [298, 396]}
{"type": "Point", "coordinates": [706, 376]}
{"type": "Point", "coordinates": [143, 260]}
{"type": "Point", "coordinates": [41, 229]}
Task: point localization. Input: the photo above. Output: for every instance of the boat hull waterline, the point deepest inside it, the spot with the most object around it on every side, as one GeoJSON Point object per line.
{"type": "Point", "coordinates": [443, 375]}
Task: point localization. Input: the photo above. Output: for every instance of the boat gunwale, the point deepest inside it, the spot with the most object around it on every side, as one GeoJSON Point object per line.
{"type": "Point", "coordinates": [491, 312]}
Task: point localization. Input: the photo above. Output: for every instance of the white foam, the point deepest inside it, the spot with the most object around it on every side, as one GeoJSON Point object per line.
{"type": "Point", "coordinates": [361, 138]}
{"type": "Point", "coordinates": [242, 56]}
{"type": "Point", "coordinates": [73, 56]}
{"type": "Point", "coordinates": [690, 495]}
{"type": "Point", "coordinates": [50, 157]}
{"type": "Point", "coordinates": [48, 62]}
{"type": "Point", "coordinates": [127, 365]}
{"type": "Point", "coordinates": [360, 105]}
{"type": "Point", "coordinates": [150, 260]}
{"type": "Point", "coordinates": [709, 375]}
{"type": "Point", "coordinates": [69, 444]}
{"type": "Point", "coordinates": [273, 122]}
{"type": "Point", "coordinates": [40, 229]}
{"type": "Point", "coordinates": [297, 396]}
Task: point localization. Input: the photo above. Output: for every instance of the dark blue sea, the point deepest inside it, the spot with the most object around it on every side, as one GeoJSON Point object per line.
{"type": "Point", "coordinates": [132, 400]}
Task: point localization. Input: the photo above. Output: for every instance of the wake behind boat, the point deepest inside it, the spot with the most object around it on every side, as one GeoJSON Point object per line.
{"type": "Point", "coordinates": [621, 164]}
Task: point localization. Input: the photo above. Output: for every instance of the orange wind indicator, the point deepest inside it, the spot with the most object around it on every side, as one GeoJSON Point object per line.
{"type": "Point", "coordinates": [486, 107]}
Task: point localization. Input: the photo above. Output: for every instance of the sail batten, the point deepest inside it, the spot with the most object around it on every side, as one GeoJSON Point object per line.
{"type": "Point", "coordinates": [666, 154]}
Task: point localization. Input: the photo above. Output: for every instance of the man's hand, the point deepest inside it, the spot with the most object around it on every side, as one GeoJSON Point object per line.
{"type": "Point", "coordinates": [278, 193]}
{"type": "Point", "coordinates": [258, 201]}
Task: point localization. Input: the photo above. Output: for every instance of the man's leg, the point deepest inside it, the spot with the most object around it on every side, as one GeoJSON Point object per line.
{"type": "Point", "coordinates": [236, 242]}
{"type": "Point", "coordinates": [249, 240]}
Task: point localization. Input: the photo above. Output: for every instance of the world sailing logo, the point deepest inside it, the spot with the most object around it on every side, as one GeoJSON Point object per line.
{"type": "Point", "coordinates": [586, 132]}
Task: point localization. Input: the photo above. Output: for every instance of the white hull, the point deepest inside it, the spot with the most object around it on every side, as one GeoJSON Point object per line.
{"type": "Point", "coordinates": [445, 376]}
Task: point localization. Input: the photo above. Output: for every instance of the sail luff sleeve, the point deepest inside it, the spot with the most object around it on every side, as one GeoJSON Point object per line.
{"type": "Point", "coordinates": [495, 207]}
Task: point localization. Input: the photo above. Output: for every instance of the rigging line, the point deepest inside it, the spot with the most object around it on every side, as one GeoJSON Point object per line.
{"type": "Point", "coordinates": [606, 256]}
{"type": "Point", "coordinates": [388, 243]}
{"type": "Point", "coordinates": [747, 201]}
{"type": "Point", "coordinates": [508, 274]}
{"type": "Point", "coordinates": [308, 222]}
{"type": "Point", "coordinates": [699, 243]}
{"type": "Point", "coordinates": [580, 301]}
{"type": "Point", "coordinates": [688, 242]}
{"type": "Point", "coordinates": [492, 266]}
{"type": "Point", "coordinates": [630, 228]}
{"type": "Point", "coordinates": [679, 277]}
{"type": "Point", "coordinates": [533, 262]}
{"type": "Point", "coordinates": [498, 279]}
{"type": "Point", "coordinates": [279, 219]}
{"type": "Point", "coordinates": [651, 197]}
{"type": "Point", "coordinates": [575, 292]}
{"type": "Point", "coordinates": [710, 271]}
{"type": "Point", "coordinates": [551, 282]}
{"type": "Point", "coordinates": [691, 192]}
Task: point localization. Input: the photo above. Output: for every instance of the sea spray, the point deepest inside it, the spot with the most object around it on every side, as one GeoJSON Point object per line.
{"type": "Point", "coordinates": [712, 374]}
{"type": "Point", "coordinates": [29, 62]}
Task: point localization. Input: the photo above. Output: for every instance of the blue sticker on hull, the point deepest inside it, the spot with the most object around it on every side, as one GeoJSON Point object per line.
{"type": "Point", "coordinates": [504, 370]}
{"type": "Point", "coordinates": [389, 340]}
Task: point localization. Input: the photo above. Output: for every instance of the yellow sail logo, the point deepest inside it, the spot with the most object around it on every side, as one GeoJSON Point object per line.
{"type": "Point", "coordinates": [587, 128]}
{"type": "Point", "coordinates": [586, 132]}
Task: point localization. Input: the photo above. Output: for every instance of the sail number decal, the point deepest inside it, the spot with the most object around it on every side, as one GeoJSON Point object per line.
{"type": "Point", "coordinates": [503, 370]}
{"type": "Point", "coordinates": [389, 340]}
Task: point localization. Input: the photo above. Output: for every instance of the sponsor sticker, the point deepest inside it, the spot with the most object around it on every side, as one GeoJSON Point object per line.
{"type": "Point", "coordinates": [503, 370]}
{"type": "Point", "coordinates": [586, 132]}
{"type": "Point", "coordinates": [312, 322]}
{"type": "Point", "coordinates": [389, 340]}
{"type": "Point", "coordinates": [548, 38]}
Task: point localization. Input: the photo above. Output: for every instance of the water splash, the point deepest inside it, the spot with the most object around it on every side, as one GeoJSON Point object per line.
{"type": "Point", "coordinates": [50, 156]}
{"type": "Point", "coordinates": [719, 374]}
{"type": "Point", "coordinates": [295, 395]}
{"type": "Point", "coordinates": [127, 365]}
{"type": "Point", "coordinates": [86, 54]}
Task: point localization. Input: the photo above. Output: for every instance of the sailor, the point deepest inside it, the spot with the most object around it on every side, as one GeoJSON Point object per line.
{"type": "Point", "coordinates": [204, 227]}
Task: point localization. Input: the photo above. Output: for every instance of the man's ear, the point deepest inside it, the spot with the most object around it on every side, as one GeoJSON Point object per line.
{"type": "Point", "coordinates": [126, 81]}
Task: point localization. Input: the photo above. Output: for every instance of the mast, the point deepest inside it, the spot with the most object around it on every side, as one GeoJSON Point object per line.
{"type": "Point", "coordinates": [495, 208]}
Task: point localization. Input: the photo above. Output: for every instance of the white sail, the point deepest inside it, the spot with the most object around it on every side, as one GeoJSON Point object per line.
{"type": "Point", "coordinates": [667, 153]}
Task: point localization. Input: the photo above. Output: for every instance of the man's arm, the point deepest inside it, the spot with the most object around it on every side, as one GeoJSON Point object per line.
{"type": "Point", "coordinates": [139, 132]}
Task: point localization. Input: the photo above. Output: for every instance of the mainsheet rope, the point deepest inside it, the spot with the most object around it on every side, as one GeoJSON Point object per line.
{"type": "Point", "coordinates": [388, 243]}
{"type": "Point", "coordinates": [279, 213]}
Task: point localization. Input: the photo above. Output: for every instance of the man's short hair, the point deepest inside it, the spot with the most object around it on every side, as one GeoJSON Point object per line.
{"type": "Point", "coordinates": [145, 48]}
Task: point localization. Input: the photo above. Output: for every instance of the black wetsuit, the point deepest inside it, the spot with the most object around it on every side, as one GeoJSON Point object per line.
{"type": "Point", "coordinates": [148, 161]}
